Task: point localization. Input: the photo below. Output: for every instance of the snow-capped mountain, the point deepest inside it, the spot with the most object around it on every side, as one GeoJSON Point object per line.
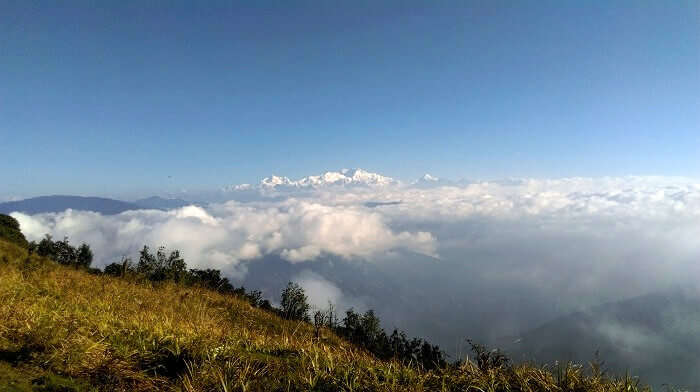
{"type": "Point", "coordinates": [351, 177]}
{"type": "Point", "coordinates": [276, 181]}
{"type": "Point", "coordinates": [428, 178]}
{"type": "Point", "coordinates": [429, 181]}
{"type": "Point", "coordinates": [344, 177]}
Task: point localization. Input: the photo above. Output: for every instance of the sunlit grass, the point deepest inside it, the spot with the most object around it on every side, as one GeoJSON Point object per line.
{"type": "Point", "coordinates": [119, 335]}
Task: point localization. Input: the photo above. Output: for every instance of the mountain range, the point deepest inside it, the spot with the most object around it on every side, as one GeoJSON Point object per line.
{"type": "Point", "coordinates": [351, 178]}
{"type": "Point", "coordinates": [160, 203]}
{"type": "Point", "coordinates": [105, 206]}
{"type": "Point", "coordinates": [342, 178]}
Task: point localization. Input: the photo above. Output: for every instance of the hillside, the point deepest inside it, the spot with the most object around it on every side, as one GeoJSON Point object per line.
{"type": "Point", "coordinates": [60, 203]}
{"type": "Point", "coordinates": [65, 329]}
{"type": "Point", "coordinates": [10, 231]}
{"type": "Point", "coordinates": [657, 335]}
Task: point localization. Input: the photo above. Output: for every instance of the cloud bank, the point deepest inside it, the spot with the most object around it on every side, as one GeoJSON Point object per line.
{"type": "Point", "coordinates": [506, 254]}
{"type": "Point", "coordinates": [226, 235]}
{"type": "Point", "coordinates": [367, 223]}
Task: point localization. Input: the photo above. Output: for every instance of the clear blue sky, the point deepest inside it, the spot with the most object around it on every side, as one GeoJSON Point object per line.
{"type": "Point", "coordinates": [114, 97]}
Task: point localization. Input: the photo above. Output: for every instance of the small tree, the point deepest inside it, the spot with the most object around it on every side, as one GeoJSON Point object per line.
{"type": "Point", "coordinates": [320, 320]}
{"type": "Point", "coordinates": [46, 247]}
{"type": "Point", "coordinates": [371, 327]}
{"type": "Point", "coordinates": [488, 359]}
{"type": "Point", "coordinates": [147, 264]}
{"type": "Point", "coordinates": [255, 297]}
{"type": "Point", "coordinates": [84, 256]}
{"type": "Point", "coordinates": [32, 247]}
{"type": "Point", "coordinates": [209, 278]}
{"type": "Point", "coordinates": [161, 266]}
{"type": "Point", "coordinates": [65, 253]}
{"type": "Point", "coordinates": [295, 304]}
{"type": "Point", "coordinates": [331, 316]}
{"type": "Point", "coordinates": [352, 326]}
{"type": "Point", "coordinates": [174, 265]}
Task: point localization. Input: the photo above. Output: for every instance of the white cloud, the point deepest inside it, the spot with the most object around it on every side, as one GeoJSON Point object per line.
{"type": "Point", "coordinates": [564, 198]}
{"type": "Point", "coordinates": [579, 234]}
{"type": "Point", "coordinates": [322, 292]}
{"type": "Point", "coordinates": [227, 234]}
{"type": "Point", "coordinates": [632, 228]}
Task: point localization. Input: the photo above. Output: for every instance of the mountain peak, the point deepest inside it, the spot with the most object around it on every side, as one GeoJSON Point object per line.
{"type": "Point", "coordinates": [274, 181]}
{"type": "Point", "coordinates": [343, 177]}
{"type": "Point", "coordinates": [430, 181]}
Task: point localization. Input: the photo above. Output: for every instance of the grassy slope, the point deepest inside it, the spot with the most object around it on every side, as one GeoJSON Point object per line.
{"type": "Point", "coordinates": [63, 329]}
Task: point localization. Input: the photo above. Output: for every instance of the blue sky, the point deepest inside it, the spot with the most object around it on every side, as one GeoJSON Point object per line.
{"type": "Point", "coordinates": [115, 98]}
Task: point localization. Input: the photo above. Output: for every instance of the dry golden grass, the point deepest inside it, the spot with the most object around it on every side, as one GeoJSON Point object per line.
{"type": "Point", "coordinates": [116, 335]}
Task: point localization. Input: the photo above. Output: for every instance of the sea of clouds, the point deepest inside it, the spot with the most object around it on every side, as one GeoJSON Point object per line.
{"type": "Point", "coordinates": [508, 253]}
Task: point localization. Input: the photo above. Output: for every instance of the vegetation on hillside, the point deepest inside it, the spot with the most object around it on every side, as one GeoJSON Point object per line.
{"type": "Point", "coordinates": [63, 252]}
{"type": "Point", "coordinates": [10, 231]}
{"type": "Point", "coordinates": [364, 330]}
{"type": "Point", "coordinates": [66, 329]}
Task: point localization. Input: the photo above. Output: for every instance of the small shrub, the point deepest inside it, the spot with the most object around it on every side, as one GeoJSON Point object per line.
{"type": "Point", "coordinates": [488, 359]}
{"type": "Point", "coordinates": [320, 321]}
{"type": "Point", "coordinates": [122, 269]}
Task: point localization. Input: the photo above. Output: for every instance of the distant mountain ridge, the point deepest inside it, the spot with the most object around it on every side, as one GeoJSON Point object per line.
{"type": "Point", "coordinates": [59, 203]}
{"type": "Point", "coordinates": [655, 335]}
{"type": "Point", "coordinates": [160, 203]}
{"type": "Point", "coordinates": [102, 205]}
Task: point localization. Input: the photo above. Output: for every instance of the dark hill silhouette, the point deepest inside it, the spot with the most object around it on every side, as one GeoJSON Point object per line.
{"type": "Point", "coordinates": [58, 203]}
